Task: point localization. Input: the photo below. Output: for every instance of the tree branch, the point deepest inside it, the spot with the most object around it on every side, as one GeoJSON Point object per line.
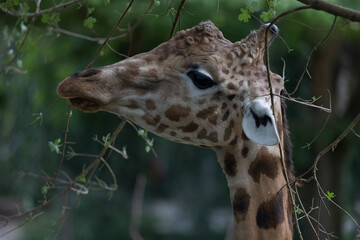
{"type": "Point", "coordinates": [180, 8]}
{"type": "Point", "coordinates": [333, 9]}
{"type": "Point", "coordinates": [38, 13]}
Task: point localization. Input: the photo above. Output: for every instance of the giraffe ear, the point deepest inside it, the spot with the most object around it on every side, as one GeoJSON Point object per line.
{"type": "Point", "coordinates": [259, 124]}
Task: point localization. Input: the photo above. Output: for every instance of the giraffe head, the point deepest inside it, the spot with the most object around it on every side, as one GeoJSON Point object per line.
{"type": "Point", "coordinates": [197, 88]}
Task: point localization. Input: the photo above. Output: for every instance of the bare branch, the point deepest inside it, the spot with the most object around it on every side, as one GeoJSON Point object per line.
{"type": "Point", "coordinates": [333, 9]}
{"type": "Point", "coordinates": [310, 54]}
{"type": "Point", "coordinates": [180, 8]}
{"type": "Point", "coordinates": [38, 13]}
{"type": "Point", "coordinates": [332, 145]}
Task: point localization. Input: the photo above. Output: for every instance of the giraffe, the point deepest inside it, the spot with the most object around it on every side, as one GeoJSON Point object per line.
{"type": "Point", "coordinates": [201, 89]}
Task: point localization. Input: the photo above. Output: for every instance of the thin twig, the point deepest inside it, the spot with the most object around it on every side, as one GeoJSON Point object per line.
{"type": "Point", "coordinates": [177, 16]}
{"type": "Point", "coordinates": [111, 172]}
{"type": "Point", "coordinates": [310, 54]}
{"type": "Point", "coordinates": [328, 110]}
{"type": "Point", "coordinates": [273, 108]}
{"type": "Point", "coordinates": [331, 146]}
{"type": "Point", "coordinates": [52, 183]}
{"type": "Point", "coordinates": [110, 34]}
{"type": "Point", "coordinates": [304, 211]}
{"type": "Point", "coordinates": [38, 13]}
{"type": "Point", "coordinates": [22, 43]}
{"type": "Point", "coordinates": [324, 125]}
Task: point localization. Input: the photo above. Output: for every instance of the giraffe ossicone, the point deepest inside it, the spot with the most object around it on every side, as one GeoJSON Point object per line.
{"type": "Point", "coordinates": [199, 88]}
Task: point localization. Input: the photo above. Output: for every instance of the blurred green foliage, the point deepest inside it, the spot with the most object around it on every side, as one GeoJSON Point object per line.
{"type": "Point", "coordinates": [186, 179]}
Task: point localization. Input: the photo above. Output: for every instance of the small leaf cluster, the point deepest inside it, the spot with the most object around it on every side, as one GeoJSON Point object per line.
{"type": "Point", "coordinates": [245, 12]}
{"type": "Point", "coordinates": [90, 20]}
{"type": "Point", "coordinates": [149, 142]}
{"type": "Point", "coordinates": [330, 195]}
{"type": "Point", "coordinates": [10, 4]}
{"type": "Point", "coordinates": [55, 146]}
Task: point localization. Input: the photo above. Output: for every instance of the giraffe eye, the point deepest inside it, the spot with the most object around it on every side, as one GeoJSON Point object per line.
{"type": "Point", "coordinates": [200, 80]}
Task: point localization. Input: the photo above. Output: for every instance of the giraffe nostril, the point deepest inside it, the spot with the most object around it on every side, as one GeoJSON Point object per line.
{"type": "Point", "coordinates": [86, 73]}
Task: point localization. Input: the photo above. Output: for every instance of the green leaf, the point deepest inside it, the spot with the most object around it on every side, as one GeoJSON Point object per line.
{"type": "Point", "coordinates": [244, 16]}
{"type": "Point", "coordinates": [90, 10]}
{"type": "Point", "coordinates": [38, 117]}
{"type": "Point", "coordinates": [55, 146]}
{"type": "Point", "coordinates": [89, 22]}
{"type": "Point", "coordinates": [298, 210]}
{"type": "Point", "coordinates": [51, 18]}
{"type": "Point", "coordinates": [265, 16]}
{"type": "Point", "coordinates": [106, 139]}
{"type": "Point", "coordinates": [82, 179]}
{"type": "Point", "coordinates": [330, 195]}
{"type": "Point", "coordinates": [44, 189]}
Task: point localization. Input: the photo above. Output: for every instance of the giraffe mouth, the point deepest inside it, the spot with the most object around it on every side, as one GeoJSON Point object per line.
{"type": "Point", "coordinates": [85, 105]}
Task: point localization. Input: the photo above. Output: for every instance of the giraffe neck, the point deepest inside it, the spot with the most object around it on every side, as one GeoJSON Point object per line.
{"type": "Point", "coordinates": [258, 191]}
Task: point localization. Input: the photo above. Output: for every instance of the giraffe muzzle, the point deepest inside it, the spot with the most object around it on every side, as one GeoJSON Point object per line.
{"type": "Point", "coordinates": [83, 91]}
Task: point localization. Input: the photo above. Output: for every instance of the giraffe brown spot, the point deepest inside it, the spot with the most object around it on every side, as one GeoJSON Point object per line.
{"type": "Point", "coordinates": [225, 70]}
{"type": "Point", "coordinates": [234, 141]}
{"type": "Point", "coordinates": [205, 113]}
{"type": "Point", "coordinates": [278, 80]}
{"type": "Point", "coordinates": [277, 91]}
{"type": "Point", "coordinates": [176, 111]}
{"type": "Point", "coordinates": [213, 136]}
{"type": "Point", "coordinates": [241, 204]}
{"type": "Point", "coordinates": [241, 83]}
{"type": "Point", "coordinates": [224, 105]}
{"type": "Point", "coordinates": [229, 64]}
{"type": "Point", "coordinates": [227, 132]}
{"type": "Point", "coordinates": [244, 151]}
{"type": "Point", "coordinates": [186, 139]}
{"type": "Point", "coordinates": [172, 133]}
{"type": "Point", "coordinates": [271, 213]}
{"type": "Point", "coordinates": [231, 86]}
{"type": "Point", "coordinates": [234, 106]}
{"type": "Point", "coordinates": [257, 74]}
{"type": "Point", "coordinates": [133, 104]}
{"type": "Point", "coordinates": [264, 163]}
{"type": "Point", "coordinates": [191, 127]}
{"type": "Point", "coordinates": [131, 72]}
{"type": "Point", "coordinates": [150, 104]}
{"type": "Point", "coordinates": [226, 115]}
{"type": "Point", "coordinates": [216, 96]}
{"type": "Point", "coordinates": [161, 127]}
{"type": "Point", "coordinates": [241, 72]}
{"type": "Point", "coordinates": [230, 164]}
{"type": "Point", "coordinates": [152, 73]}
{"type": "Point", "coordinates": [213, 120]}
{"type": "Point", "coordinates": [202, 134]}
{"type": "Point", "coordinates": [244, 137]}
{"type": "Point", "coordinates": [150, 120]}
{"type": "Point", "coordinates": [231, 97]}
